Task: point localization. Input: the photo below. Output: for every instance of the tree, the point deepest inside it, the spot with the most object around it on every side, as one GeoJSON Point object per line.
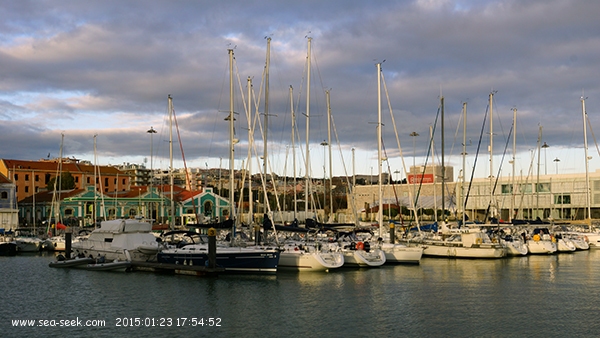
{"type": "Point", "coordinates": [67, 182]}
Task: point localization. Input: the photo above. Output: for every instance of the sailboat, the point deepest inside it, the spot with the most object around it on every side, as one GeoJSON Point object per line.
{"type": "Point", "coordinates": [231, 258]}
{"type": "Point", "coordinates": [394, 252]}
{"type": "Point", "coordinates": [465, 242]}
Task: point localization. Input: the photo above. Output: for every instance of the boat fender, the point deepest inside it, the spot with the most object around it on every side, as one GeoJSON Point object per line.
{"type": "Point", "coordinates": [536, 237]}
{"type": "Point", "coordinates": [360, 246]}
{"type": "Point", "coordinates": [352, 246]}
{"type": "Point", "coordinates": [553, 239]}
{"type": "Point", "coordinates": [367, 246]}
{"type": "Point", "coordinates": [478, 241]}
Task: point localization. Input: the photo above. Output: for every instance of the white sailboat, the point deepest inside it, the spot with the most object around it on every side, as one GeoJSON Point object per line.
{"type": "Point", "coordinates": [394, 252]}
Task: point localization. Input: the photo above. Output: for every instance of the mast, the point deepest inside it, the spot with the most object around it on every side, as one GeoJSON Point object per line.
{"type": "Point", "coordinates": [266, 129]}
{"type": "Point", "coordinates": [443, 166]}
{"type": "Point", "coordinates": [294, 149]}
{"type": "Point", "coordinates": [329, 149]}
{"type": "Point", "coordinates": [250, 143]}
{"type": "Point", "coordinates": [464, 164]}
{"type": "Point", "coordinates": [537, 185]}
{"type": "Point", "coordinates": [513, 190]}
{"type": "Point", "coordinates": [307, 173]}
{"type": "Point", "coordinates": [492, 207]}
{"type": "Point", "coordinates": [379, 155]}
{"type": "Point", "coordinates": [231, 144]}
{"type": "Point", "coordinates": [587, 159]}
{"type": "Point", "coordinates": [433, 166]}
{"type": "Point", "coordinates": [171, 179]}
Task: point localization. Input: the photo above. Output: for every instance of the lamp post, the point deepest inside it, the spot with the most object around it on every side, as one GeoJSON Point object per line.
{"type": "Point", "coordinates": [545, 146]}
{"type": "Point", "coordinates": [151, 131]}
{"type": "Point", "coordinates": [414, 135]}
{"type": "Point", "coordinates": [556, 160]}
{"type": "Point", "coordinates": [324, 144]}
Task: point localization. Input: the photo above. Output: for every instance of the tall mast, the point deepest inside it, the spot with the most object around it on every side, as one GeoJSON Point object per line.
{"type": "Point", "coordinates": [266, 129]}
{"type": "Point", "coordinates": [464, 164]}
{"type": "Point", "coordinates": [379, 155]}
{"type": "Point", "coordinates": [492, 210]}
{"type": "Point", "coordinates": [307, 173]}
{"type": "Point", "coordinates": [231, 143]}
{"type": "Point", "coordinates": [514, 163]}
{"type": "Point", "coordinates": [443, 166]}
{"type": "Point", "coordinates": [294, 149]}
{"type": "Point", "coordinates": [537, 185]}
{"type": "Point", "coordinates": [587, 159]}
{"type": "Point", "coordinates": [171, 178]}
{"type": "Point", "coordinates": [435, 209]}
{"type": "Point", "coordinates": [329, 149]}
{"type": "Point", "coordinates": [250, 143]}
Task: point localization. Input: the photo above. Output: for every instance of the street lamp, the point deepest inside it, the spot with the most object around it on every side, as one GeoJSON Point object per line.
{"type": "Point", "coordinates": [545, 146]}
{"type": "Point", "coordinates": [151, 131]}
{"type": "Point", "coordinates": [414, 135]}
{"type": "Point", "coordinates": [556, 160]}
{"type": "Point", "coordinates": [324, 144]}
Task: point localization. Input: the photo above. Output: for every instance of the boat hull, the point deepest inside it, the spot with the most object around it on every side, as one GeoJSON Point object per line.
{"type": "Point", "coordinates": [231, 259]}
{"type": "Point", "coordinates": [109, 266]}
{"type": "Point", "coordinates": [71, 263]}
{"type": "Point", "coordinates": [364, 259]}
{"type": "Point", "coordinates": [402, 254]}
{"type": "Point", "coordinates": [442, 250]}
{"type": "Point", "coordinates": [310, 261]}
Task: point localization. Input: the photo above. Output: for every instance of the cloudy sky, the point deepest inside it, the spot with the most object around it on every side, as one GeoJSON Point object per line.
{"type": "Point", "coordinates": [105, 68]}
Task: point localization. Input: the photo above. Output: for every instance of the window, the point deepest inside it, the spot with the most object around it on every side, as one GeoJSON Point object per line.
{"type": "Point", "coordinates": [562, 199]}
{"type": "Point", "coordinates": [106, 181]}
{"type": "Point", "coordinates": [69, 212]}
{"type": "Point", "coordinates": [16, 177]}
{"type": "Point", "coordinates": [88, 180]}
{"type": "Point", "coordinates": [507, 188]}
{"type": "Point", "coordinates": [525, 188]}
{"type": "Point", "coordinates": [115, 182]}
{"type": "Point", "coordinates": [26, 188]}
{"type": "Point", "coordinates": [26, 177]}
{"type": "Point", "coordinates": [37, 178]}
{"type": "Point", "coordinates": [123, 182]}
{"type": "Point", "coordinates": [76, 179]}
{"type": "Point", "coordinates": [4, 195]}
{"type": "Point", "coordinates": [543, 187]}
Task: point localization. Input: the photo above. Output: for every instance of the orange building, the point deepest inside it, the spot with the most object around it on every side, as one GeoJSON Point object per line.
{"type": "Point", "coordinates": [34, 176]}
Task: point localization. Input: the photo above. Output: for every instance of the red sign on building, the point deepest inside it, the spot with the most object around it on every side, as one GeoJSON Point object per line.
{"type": "Point", "coordinates": [416, 179]}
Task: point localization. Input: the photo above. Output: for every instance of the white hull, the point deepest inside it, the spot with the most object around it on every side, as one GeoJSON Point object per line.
{"type": "Point", "coordinates": [398, 253]}
{"type": "Point", "coordinates": [28, 244]}
{"type": "Point", "coordinates": [310, 261]}
{"type": "Point", "coordinates": [456, 251]}
{"type": "Point", "coordinates": [364, 259]}
{"type": "Point", "coordinates": [515, 248]}
{"type": "Point", "coordinates": [565, 245]}
{"type": "Point", "coordinates": [541, 247]}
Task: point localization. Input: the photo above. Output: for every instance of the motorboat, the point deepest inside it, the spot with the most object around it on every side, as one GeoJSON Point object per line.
{"type": "Point", "coordinates": [564, 243]}
{"type": "Point", "coordinates": [26, 241]}
{"type": "Point", "coordinates": [514, 246]}
{"type": "Point", "coordinates": [115, 265]}
{"type": "Point", "coordinates": [77, 261]}
{"type": "Point", "coordinates": [121, 239]}
{"type": "Point", "coordinates": [8, 247]}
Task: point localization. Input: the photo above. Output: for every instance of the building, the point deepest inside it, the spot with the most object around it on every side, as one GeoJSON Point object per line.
{"type": "Point", "coordinates": [9, 214]}
{"type": "Point", "coordinates": [32, 177]}
{"type": "Point", "coordinates": [557, 197]}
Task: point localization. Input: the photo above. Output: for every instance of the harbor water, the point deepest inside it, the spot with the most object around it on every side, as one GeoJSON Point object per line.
{"type": "Point", "coordinates": [531, 296]}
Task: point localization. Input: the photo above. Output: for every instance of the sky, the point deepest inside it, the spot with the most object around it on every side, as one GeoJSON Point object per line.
{"type": "Point", "coordinates": [100, 72]}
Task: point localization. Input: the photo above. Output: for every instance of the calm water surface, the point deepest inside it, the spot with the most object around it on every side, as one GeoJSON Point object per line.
{"type": "Point", "coordinates": [534, 296]}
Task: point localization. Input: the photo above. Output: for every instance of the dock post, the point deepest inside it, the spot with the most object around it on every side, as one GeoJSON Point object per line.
{"type": "Point", "coordinates": [212, 248]}
{"type": "Point", "coordinates": [257, 234]}
{"type": "Point", "coordinates": [68, 235]}
{"type": "Point", "coordinates": [392, 233]}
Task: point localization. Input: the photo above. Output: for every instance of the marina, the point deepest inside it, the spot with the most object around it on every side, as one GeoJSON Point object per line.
{"type": "Point", "coordinates": [528, 296]}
